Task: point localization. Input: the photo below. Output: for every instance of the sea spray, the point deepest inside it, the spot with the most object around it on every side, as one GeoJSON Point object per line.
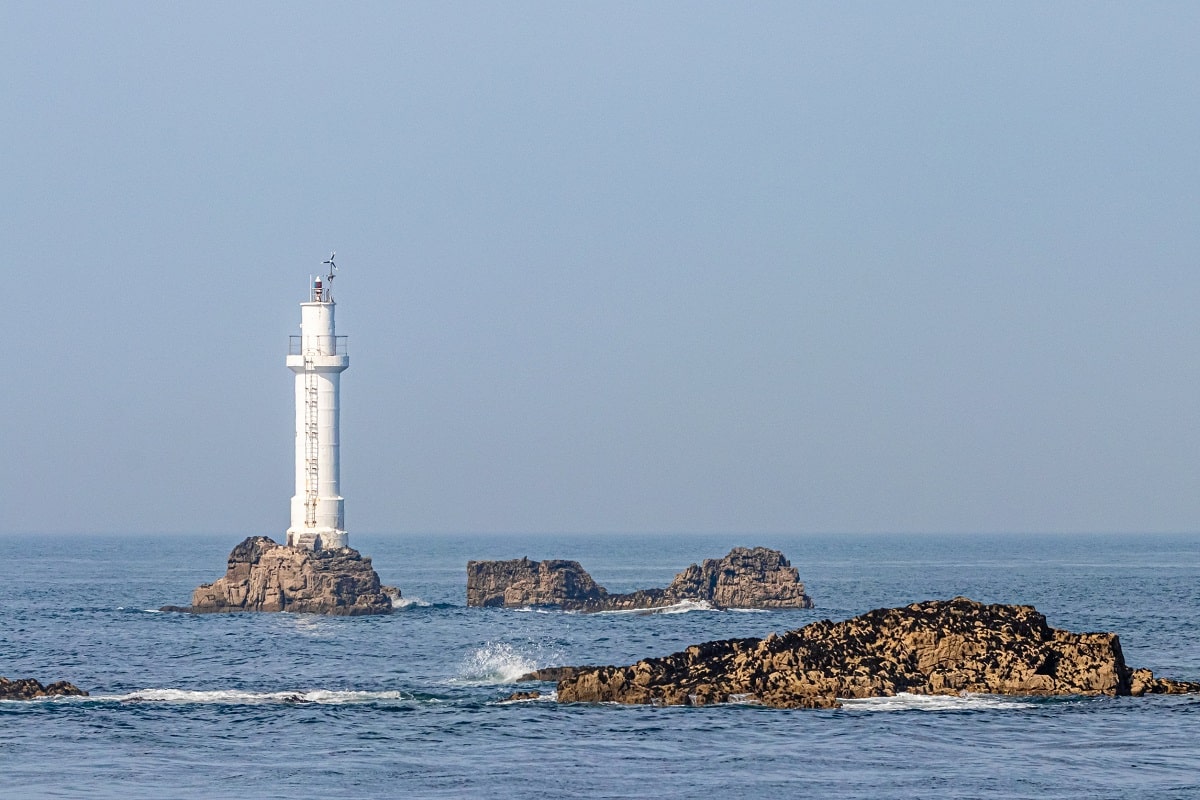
{"type": "Point", "coordinates": [495, 662]}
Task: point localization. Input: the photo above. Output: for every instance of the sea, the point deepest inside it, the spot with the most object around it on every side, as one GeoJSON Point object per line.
{"type": "Point", "coordinates": [415, 704]}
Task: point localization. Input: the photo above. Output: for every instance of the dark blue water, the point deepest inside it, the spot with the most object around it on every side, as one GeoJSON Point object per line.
{"type": "Point", "coordinates": [411, 705]}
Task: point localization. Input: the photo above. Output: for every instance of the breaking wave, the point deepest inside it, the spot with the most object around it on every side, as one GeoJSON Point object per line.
{"type": "Point", "coordinates": [682, 607]}
{"type": "Point", "coordinates": [401, 603]}
{"type": "Point", "coordinates": [495, 662]}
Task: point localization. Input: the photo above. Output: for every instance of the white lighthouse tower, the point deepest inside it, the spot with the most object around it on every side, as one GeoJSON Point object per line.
{"type": "Point", "coordinates": [318, 356]}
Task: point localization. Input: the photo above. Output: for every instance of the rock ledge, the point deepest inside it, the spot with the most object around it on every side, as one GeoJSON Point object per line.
{"type": "Point", "coordinates": [265, 576]}
{"type": "Point", "coordinates": [944, 647]}
{"type": "Point", "coordinates": [746, 578]}
{"type": "Point", "coordinates": [30, 688]}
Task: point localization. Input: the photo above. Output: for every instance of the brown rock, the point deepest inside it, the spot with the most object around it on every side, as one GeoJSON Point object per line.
{"type": "Point", "coordinates": [522, 696]}
{"type": "Point", "coordinates": [521, 582]}
{"type": "Point", "coordinates": [935, 647]}
{"type": "Point", "coordinates": [551, 674]}
{"type": "Point", "coordinates": [29, 688]}
{"type": "Point", "coordinates": [1143, 682]}
{"type": "Point", "coordinates": [746, 578]}
{"type": "Point", "coordinates": [265, 576]}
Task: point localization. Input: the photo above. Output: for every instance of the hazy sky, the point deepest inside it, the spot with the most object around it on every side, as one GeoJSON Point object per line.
{"type": "Point", "coordinates": [761, 267]}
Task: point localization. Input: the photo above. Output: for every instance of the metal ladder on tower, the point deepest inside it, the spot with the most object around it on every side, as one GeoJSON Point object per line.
{"type": "Point", "coordinates": [311, 440]}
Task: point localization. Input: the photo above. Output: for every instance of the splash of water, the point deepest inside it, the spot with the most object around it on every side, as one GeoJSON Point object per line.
{"type": "Point", "coordinates": [495, 662]}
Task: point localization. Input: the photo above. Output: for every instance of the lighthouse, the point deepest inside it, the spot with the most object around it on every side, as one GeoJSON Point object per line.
{"type": "Point", "coordinates": [318, 356]}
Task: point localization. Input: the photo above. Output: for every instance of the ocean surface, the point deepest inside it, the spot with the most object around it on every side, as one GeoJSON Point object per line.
{"type": "Point", "coordinates": [413, 704]}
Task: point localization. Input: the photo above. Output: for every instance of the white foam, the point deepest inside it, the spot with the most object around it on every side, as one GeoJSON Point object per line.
{"type": "Point", "coordinates": [151, 611]}
{"type": "Point", "coordinates": [744, 699]}
{"type": "Point", "coordinates": [495, 663]}
{"type": "Point", "coordinates": [548, 697]}
{"type": "Point", "coordinates": [749, 610]}
{"type": "Point", "coordinates": [682, 607]}
{"type": "Point", "coordinates": [233, 697]}
{"type": "Point", "coordinates": [934, 702]}
{"type": "Point", "coordinates": [409, 602]}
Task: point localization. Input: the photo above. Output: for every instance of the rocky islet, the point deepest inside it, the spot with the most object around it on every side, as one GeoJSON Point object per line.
{"type": "Point", "coordinates": [938, 647]}
{"type": "Point", "coordinates": [745, 578]}
{"type": "Point", "coordinates": [262, 575]}
{"type": "Point", "coordinates": [32, 689]}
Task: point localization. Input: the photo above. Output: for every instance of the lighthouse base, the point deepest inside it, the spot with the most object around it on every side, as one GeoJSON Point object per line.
{"type": "Point", "coordinates": [328, 539]}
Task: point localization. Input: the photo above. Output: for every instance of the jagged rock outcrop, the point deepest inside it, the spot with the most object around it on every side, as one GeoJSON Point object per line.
{"type": "Point", "coordinates": [1143, 682]}
{"type": "Point", "coordinates": [746, 578]}
{"type": "Point", "coordinates": [29, 688]}
{"type": "Point", "coordinates": [521, 582]}
{"type": "Point", "coordinates": [935, 647]}
{"type": "Point", "coordinates": [265, 576]}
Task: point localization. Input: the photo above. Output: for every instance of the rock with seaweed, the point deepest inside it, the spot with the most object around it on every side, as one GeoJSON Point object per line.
{"type": "Point", "coordinates": [938, 647]}
{"type": "Point", "coordinates": [31, 688]}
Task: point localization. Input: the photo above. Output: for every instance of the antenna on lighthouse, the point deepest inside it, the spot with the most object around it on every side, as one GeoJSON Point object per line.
{"type": "Point", "coordinates": [332, 272]}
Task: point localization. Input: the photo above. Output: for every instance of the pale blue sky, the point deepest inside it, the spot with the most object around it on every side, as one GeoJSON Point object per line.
{"type": "Point", "coordinates": [607, 266]}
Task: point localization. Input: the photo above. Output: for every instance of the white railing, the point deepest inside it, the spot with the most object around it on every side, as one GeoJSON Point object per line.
{"type": "Point", "coordinates": [317, 345]}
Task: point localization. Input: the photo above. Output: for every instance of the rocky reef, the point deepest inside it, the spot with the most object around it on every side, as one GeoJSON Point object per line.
{"type": "Point", "coordinates": [265, 576]}
{"type": "Point", "coordinates": [30, 688]}
{"type": "Point", "coordinates": [746, 578]}
{"type": "Point", "coordinates": [935, 647]}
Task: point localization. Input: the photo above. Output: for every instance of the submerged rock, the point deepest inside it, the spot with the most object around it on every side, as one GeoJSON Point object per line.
{"type": "Point", "coordinates": [265, 576]}
{"type": "Point", "coordinates": [30, 688]}
{"type": "Point", "coordinates": [746, 578]}
{"type": "Point", "coordinates": [932, 648]}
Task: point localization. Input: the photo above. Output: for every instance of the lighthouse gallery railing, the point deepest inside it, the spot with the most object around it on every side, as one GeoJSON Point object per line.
{"type": "Point", "coordinates": [319, 345]}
